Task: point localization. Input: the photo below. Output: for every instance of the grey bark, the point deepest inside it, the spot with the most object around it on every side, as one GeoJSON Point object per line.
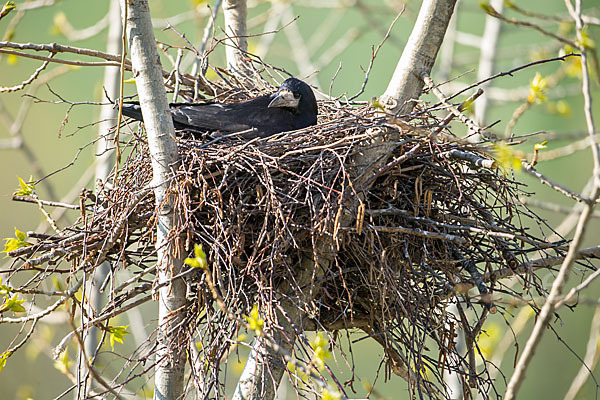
{"type": "Point", "coordinates": [170, 352]}
{"type": "Point", "coordinates": [235, 13]}
{"type": "Point", "coordinates": [418, 56]}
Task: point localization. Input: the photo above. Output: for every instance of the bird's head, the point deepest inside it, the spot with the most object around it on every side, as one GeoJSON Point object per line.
{"type": "Point", "coordinates": [295, 95]}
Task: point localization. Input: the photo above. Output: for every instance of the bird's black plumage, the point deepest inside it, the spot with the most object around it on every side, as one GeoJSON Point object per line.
{"type": "Point", "coordinates": [292, 107]}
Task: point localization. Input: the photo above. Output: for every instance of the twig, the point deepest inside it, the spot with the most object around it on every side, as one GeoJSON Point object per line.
{"type": "Point", "coordinates": [47, 310]}
{"type": "Point", "coordinates": [557, 208]}
{"type": "Point", "coordinates": [548, 309]}
{"type": "Point", "coordinates": [27, 81]}
{"type": "Point", "coordinates": [457, 112]}
{"type": "Point", "coordinates": [571, 296]}
{"type": "Point", "coordinates": [28, 199]}
{"type": "Point", "coordinates": [60, 61]}
{"type": "Point", "coordinates": [417, 232]}
{"type": "Point", "coordinates": [510, 73]}
{"type": "Point", "coordinates": [374, 54]}
{"type": "Point", "coordinates": [513, 21]}
{"type": "Point", "coordinates": [565, 151]}
{"type": "Point", "coordinates": [550, 183]}
{"type": "Point", "coordinates": [470, 157]}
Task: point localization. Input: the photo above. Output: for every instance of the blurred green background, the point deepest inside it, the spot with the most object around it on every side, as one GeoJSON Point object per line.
{"type": "Point", "coordinates": [55, 137]}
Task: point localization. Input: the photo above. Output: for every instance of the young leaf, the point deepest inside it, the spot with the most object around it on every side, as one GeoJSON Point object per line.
{"type": "Point", "coordinates": [507, 157]}
{"type": "Point", "coordinates": [26, 188]}
{"type": "Point", "coordinates": [12, 304]}
{"type": "Point", "coordinates": [8, 7]}
{"type": "Point", "coordinates": [200, 258]}
{"type": "Point", "coordinates": [540, 146]}
{"type": "Point", "coordinates": [4, 289]}
{"type": "Point", "coordinates": [320, 346]}
{"type": "Point", "coordinates": [255, 322]}
{"type": "Point", "coordinates": [15, 243]}
{"type": "Point", "coordinates": [537, 87]}
{"type": "Point", "coordinates": [117, 334]}
{"type": "Point", "coordinates": [330, 395]}
{"type": "Point", "coordinates": [3, 357]}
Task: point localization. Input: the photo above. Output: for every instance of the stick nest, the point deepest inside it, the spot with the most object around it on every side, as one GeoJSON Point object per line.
{"type": "Point", "coordinates": [294, 218]}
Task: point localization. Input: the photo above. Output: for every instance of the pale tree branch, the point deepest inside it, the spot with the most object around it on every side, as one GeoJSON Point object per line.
{"type": "Point", "coordinates": [235, 13]}
{"type": "Point", "coordinates": [418, 56]}
{"type": "Point", "coordinates": [145, 60]}
{"type": "Point", "coordinates": [592, 354]}
{"type": "Point", "coordinates": [487, 58]}
{"type": "Point", "coordinates": [406, 83]}
{"type": "Point", "coordinates": [104, 162]}
{"type": "Point", "coordinates": [547, 310]}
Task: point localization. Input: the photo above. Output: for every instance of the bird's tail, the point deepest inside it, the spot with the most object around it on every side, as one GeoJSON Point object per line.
{"type": "Point", "coordinates": [133, 110]}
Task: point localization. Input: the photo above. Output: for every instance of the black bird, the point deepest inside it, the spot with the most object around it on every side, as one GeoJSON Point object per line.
{"type": "Point", "coordinates": [292, 107]}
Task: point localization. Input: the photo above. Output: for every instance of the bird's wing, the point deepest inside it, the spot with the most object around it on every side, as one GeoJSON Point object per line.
{"type": "Point", "coordinates": [207, 117]}
{"type": "Point", "coordinates": [223, 117]}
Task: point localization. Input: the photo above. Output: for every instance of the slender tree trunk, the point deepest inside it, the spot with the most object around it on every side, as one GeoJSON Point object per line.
{"type": "Point", "coordinates": [170, 353]}
{"type": "Point", "coordinates": [418, 56]}
{"type": "Point", "coordinates": [236, 48]}
{"type": "Point", "coordinates": [104, 159]}
{"type": "Point", "coordinates": [487, 59]}
{"type": "Point", "coordinates": [265, 366]}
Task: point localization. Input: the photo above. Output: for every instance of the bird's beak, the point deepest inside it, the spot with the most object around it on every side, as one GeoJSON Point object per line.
{"type": "Point", "coordinates": [284, 98]}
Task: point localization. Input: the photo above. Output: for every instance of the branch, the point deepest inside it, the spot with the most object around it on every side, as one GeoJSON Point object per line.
{"type": "Point", "coordinates": [170, 355]}
{"type": "Point", "coordinates": [591, 358]}
{"type": "Point", "coordinates": [418, 56]}
{"type": "Point", "coordinates": [235, 12]}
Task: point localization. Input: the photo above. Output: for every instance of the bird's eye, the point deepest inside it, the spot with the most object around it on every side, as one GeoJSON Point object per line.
{"type": "Point", "coordinates": [296, 95]}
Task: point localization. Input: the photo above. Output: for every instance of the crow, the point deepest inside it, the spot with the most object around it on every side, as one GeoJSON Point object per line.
{"type": "Point", "coordinates": [292, 107]}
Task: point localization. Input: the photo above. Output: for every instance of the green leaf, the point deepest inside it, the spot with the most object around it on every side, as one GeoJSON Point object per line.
{"type": "Point", "coordinates": [537, 87]}
{"type": "Point", "coordinates": [15, 243]}
{"type": "Point", "coordinates": [586, 41]}
{"type": "Point", "coordinates": [27, 188]}
{"type": "Point", "coordinates": [255, 322]}
{"type": "Point", "coordinates": [320, 346]}
{"type": "Point", "coordinates": [12, 304]}
{"type": "Point", "coordinates": [117, 334]}
{"type": "Point", "coordinates": [506, 157]}
{"type": "Point", "coordinates": [487, 7]}
{"type": "Point", "coordinates": [8, 7]}
{"type": "Point", "coordinates": [200, 258]}
{"type": "Point", "coordinates": [376, 104]}
{"type": "Point", "coordinates": [330, 395]}
{"type": "Point", "coordinates": [20, 235]}
{"type": "Point", "coordinates": [4, 289]}
{"type": "Point", "coordinates": [3, 357]}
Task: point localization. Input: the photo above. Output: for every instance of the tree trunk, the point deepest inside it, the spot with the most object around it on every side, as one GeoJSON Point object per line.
{"type": "Point", "coordinates": [236, 48]}
{"type": "Point", "coordinates": [170, 352]}
{"type": "Point", "coordinates": [104, 160]}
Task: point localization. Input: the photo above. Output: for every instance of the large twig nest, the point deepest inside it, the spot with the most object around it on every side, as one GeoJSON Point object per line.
{"type": "Point", "coordinates": [422, 233]}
